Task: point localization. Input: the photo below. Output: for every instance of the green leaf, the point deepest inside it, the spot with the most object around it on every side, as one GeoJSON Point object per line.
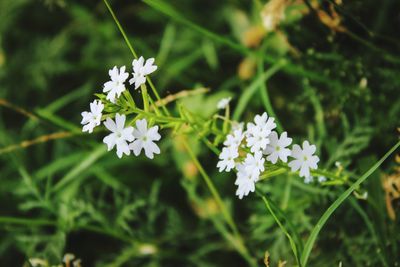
{"type": "Point", "coordinates": [324, 218]}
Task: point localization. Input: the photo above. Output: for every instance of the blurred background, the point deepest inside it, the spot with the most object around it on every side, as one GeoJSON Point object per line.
{"type": "Point", "coordinates": [338, 86]}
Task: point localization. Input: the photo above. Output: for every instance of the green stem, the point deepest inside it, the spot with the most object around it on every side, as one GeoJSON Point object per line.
{"type": "Point", "coordinates": [239, 243]}
{"type": "Point", "coordinates": [120, 29]}
{"type": "Point", "coordinates": [128, 43]}
{"type": "Point", "coordinates": [265, 97]}
{"type": "Point", "coordinates": [282, 227]}
{"type": "Point", "coordinates": [145, 98]}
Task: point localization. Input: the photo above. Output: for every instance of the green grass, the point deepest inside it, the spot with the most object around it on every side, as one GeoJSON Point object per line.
{"type": "Point", "coordinates": [61, 192]}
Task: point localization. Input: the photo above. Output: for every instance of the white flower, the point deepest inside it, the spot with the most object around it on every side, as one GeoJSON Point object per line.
{"type": "Point", "coordinates": [308, 179]}
{"type": "Point", "coordinates": [92, 118]}
{"type": "Point", "coordinates": [119, 136]}
{"type": "Point", "coordinates": [145, 139]}
{"type": "Point", "coordinates": [245, 184]}
{"type": "Point", "coordinates": [116, 86]}
{"type": "Point", "coordinates": [321, 179]}
{"type": "Point", "coordinates": [244, 180]}
{"type": "Point", "coordinates": [227, 159]}
{"type": "Point", "coordinates": [237, 126]}
{"type": "Point", "coordinates": [234, 139]}
{"type": "Point", "coordinates": [258, 133]}
{"type": "Point", "coordinates": [140, 70]}
{"type": "Point", "coordinates": [223, 103]}
{"type": "Point", "coordinates": [277, 147]}
{"type": "Point", "coordinates": [254, 164]}
{"type": "Point", "coordinates": [304, 159]}
{"type": "Point", "coordinates": [263, 121]}
{"type": "Point", "coordinates": [258, 140]}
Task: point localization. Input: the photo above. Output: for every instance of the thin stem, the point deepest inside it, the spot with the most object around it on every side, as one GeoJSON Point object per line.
{"type": "Point", "coordinates": [121, 29]}
{"type": "Point", "coordinates": [128, 43]}
{"type": "Point", "coordinates": [145, 98]}
{"type": "Point", "coordinates": [220, 203]}
{"type": "Point", "coordinates": [265, 97]}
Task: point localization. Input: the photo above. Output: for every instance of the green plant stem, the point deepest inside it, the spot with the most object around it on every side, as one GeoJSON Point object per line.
{"type": "Point", "coordinates": [128, 43]}
{"type": "Point", "coordinates": [282, 227]}
{"type": "Point", "coordinates": [265, 97]}
{"type": "Point", "coordinates": [145, 98]}
{"type": "Point", "coordinates": [253, 87]}
{"type": "Point", "coordinates": [214, 192]}
{"type": "Point", "coordinates": [324, 218]}
{"type": "Point", "coordinates": [7, 220]}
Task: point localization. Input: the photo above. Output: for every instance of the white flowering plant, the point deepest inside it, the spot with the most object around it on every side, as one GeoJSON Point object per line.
{"type": "Point", "coordinates": [252, 151]}
{"type": "Point", "coordinates": [198, 148]}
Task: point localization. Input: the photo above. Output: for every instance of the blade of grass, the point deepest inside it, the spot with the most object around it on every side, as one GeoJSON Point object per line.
{"type": "Point", "coordinates": [245, 98]}
{"type": "Point", "coordinates": [281, 226]}
{"type": "Point", "coordinates": [324, 218]}
{"type": "Point", "coordinates": [371, 229]}
{"type": "Point", "coordinates": [168, 10]}
{"type": "Point", "coordinates": [290, 68]}
{"type": "Point", "coordinates": [265, 98]}
{"type": "Point", "coordinates": [81, 167]}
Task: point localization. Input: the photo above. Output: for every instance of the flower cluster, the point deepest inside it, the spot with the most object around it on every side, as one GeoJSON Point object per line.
{"type": "Point", "coordinates": [124, 137]}
{"type": "Point", "coordinates": [246, 151]}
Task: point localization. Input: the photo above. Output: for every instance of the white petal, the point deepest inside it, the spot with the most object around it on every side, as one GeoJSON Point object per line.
{"type": "Point", "coordinates": [110, 125]}
{"type": "Point", "coordinates": [295, 165]}
{"type": "Point", "coordinates": [136, 146]}
{"type": "Point", "coordinates": [110, 141]}
{"type": "Point", "coordinates": [127, 134]}
{"type": "Point", "coordinates": [141, 125]}
{"type": "Point", "coordinates": [273, 158]}
{"type": "Point", "coordinates": [120, 121]}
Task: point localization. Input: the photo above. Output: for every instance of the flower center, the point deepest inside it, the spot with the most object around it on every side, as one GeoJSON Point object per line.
{"type": "Point", "coordinates": [305, 158]}
{"type": "Point", "coordinates": [119, 135]}
{"type": "Point", "coordinates": [277, 148]}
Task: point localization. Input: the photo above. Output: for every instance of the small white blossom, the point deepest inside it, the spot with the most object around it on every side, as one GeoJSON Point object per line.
{"type": "Point", "coordinates": [119, 136]}
{"type": "Point", "coordinates": [116, 86]}
{"type": "Point", "coordinates": [262, 121]}
{"type": "Point", "coordinates": [227, 159]}
{"type": "Point", "coordinates": [237, 126]}
{"type": "Point", "coordinates": [308, 179]}
{"type": "Point", "coordinates": [224, 102]}
{"type": "Point", "coordinates": [145, 139]}
{"type": "Point", "coordinates": [234, 139]}
{"type": "Point", "coordinates": [304, 159]}
{"type": "Point", "coordinates": [245, 181]}
{"type": "Point", "coordinates": [254, 164]}
{"type": "Point", "coordinates": [92, 118]}
{"type": "Point", "coordinates": [245, 185]}
{"type": "Point", "coordinates": [277, 147]}
{"type": "Point", "coordinates": [321, 179]}
{"type": "Point", "coordinates": [259, 131]}
{"type": "Point", "coordinates": [141, 68]}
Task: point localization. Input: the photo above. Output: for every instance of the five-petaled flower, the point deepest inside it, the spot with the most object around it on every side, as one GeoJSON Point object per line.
{"type": "Point", "coordinates": [116, 86]}
{"type": "Point", "coordinates": [304, 159]}
{"type": "Point", "coordinates": [277, 147]}
{"type": "Point", "coordinates": [145, 139]}
{"type": "Point", "coordinates": [119, 135]}
{"type": "Point", "coordinates": [227, 159]}
{"type": "Point", "coordinates": [258, 132]}
{"type": "Point", "coordinates": [93, 118]}
{"type": "Point", "coordinates": [141, 68]}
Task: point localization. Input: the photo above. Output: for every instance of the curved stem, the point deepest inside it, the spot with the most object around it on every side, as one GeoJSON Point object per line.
{"type": "Point", "coordinates": [239, 244]}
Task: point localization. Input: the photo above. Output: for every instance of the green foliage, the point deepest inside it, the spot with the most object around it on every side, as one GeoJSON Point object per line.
{"type": "Point", "coordinates": [62, 193]}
